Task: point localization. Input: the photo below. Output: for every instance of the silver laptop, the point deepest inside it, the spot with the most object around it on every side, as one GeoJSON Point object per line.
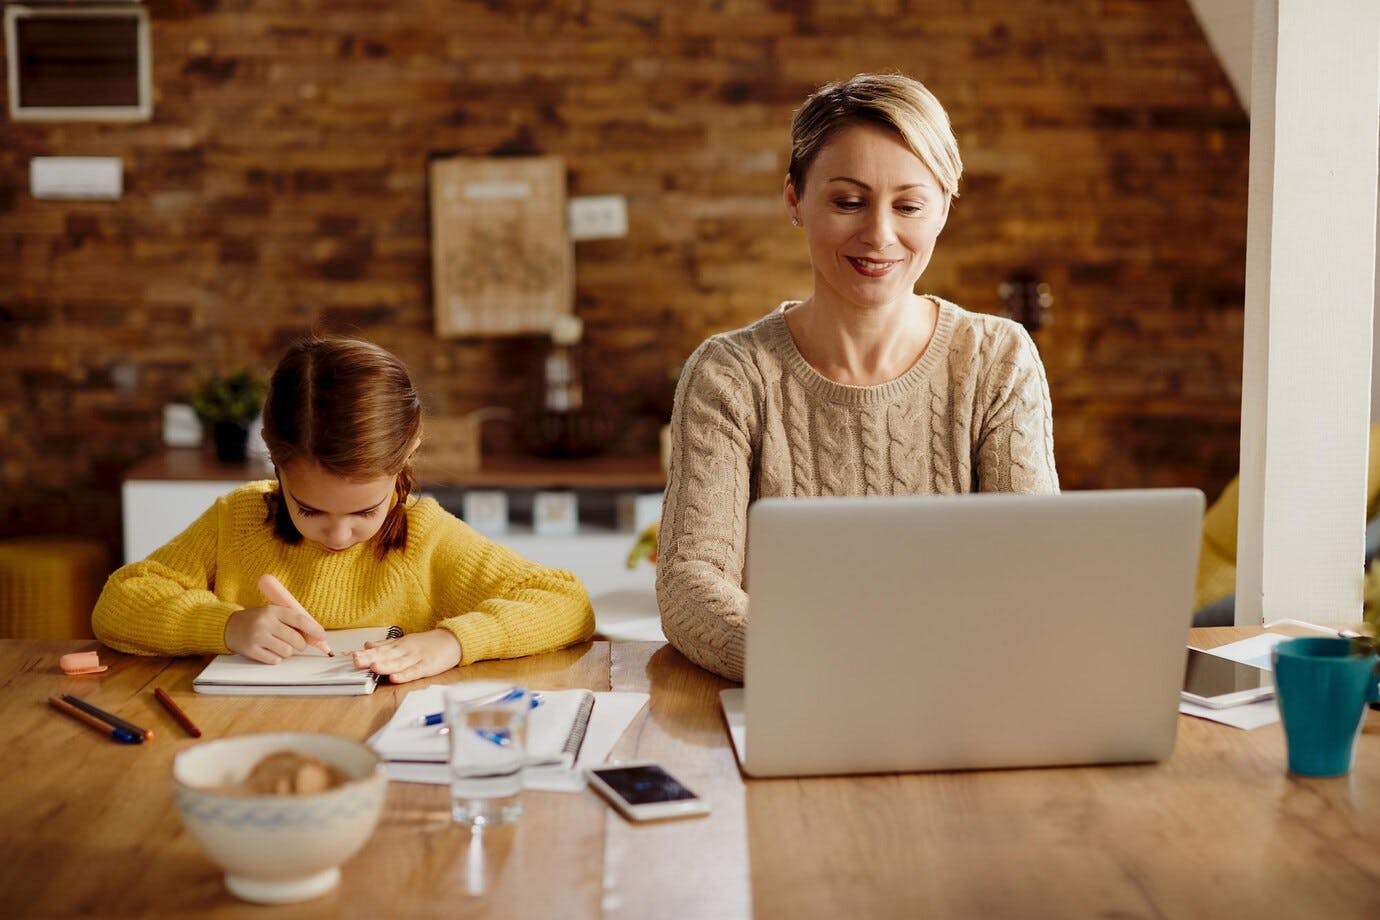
{"type": "Point", "coordinates": [964, 632]}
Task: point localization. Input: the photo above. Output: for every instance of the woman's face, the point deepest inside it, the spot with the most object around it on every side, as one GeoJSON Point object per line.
{"type": "Point", "coordinates": [332, 511]}
{"type": "Point", "coordinates": [871, 211]}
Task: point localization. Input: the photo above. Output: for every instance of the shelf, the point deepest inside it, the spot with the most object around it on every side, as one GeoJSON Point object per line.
{"type": "Point", "coordinates": [496, 472]}
{"type": "Point", "coordinates": [520, 472]}
{"type": "Point", "coordinates": [585, 531]}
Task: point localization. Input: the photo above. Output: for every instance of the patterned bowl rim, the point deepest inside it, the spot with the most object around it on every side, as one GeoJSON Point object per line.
{"type": "Point", "coordinates": [377, 772]}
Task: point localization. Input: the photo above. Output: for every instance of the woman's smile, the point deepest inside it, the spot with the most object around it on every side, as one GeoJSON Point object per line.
{"type": "Point", "coordinates": [872, 268]}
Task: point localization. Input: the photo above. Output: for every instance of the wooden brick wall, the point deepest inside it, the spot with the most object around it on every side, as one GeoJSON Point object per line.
{"type": "Point", "coordinates": [281, 186]}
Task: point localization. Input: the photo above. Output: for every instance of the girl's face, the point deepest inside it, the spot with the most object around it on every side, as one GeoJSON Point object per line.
{"type": "Point", "coordinates": [332, 511]}
{"type": "Point", "coordinates": [871, 211]}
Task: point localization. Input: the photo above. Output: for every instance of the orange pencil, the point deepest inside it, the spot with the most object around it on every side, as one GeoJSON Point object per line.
{"type": "Point", "coordinates": [182, 718]}
{"type": "Point", "coordinates": [109, 718]}
{"type": "Point", "coordinates": [273, 589]}
{"type": "Point", "coordinates": [90, 721]}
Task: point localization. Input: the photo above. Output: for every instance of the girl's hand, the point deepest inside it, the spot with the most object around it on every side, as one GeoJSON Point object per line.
{"type": "Point", "coordinates": [271, 633]}
{"type": "Point", "coordinates": [411, 657]}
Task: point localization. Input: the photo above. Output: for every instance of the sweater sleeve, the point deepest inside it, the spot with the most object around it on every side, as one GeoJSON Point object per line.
{"type": "Point", "coordinates": [166, 604]}
{"type": "Point", "coordinates": [703, 535]}
{"type": "Point", "coordinates": [498, 604]}
{"type": "Point", "coordinates": [1015, 451]}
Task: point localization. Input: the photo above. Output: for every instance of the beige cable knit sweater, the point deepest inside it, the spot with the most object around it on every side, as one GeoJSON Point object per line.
{"type": "Point", "coordinates": [753, 419]}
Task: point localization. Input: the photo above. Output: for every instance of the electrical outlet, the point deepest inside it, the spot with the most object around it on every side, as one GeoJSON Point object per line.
{"type": "Point", "coordinates": [597, 217]}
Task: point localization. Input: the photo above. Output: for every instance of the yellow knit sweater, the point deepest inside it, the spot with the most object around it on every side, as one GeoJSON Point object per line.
{"type": "Point", "coordinates": [496, 603]}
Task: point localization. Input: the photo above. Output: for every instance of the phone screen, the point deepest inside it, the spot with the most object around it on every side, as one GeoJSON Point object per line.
{"type": "Point", "coordinates": [1212, 675]}
{"type": "Point", "coordinates": [644, 785]}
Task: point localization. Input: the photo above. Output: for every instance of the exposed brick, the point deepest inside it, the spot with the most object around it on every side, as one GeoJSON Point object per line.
{"type": "Point", "coordinates": [281, 187]}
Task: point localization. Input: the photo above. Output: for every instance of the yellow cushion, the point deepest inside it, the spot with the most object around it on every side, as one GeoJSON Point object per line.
{"type": "Point", "coordinates": [1217, 558]}
{"type": "Point", "coordinates": [48, 586]}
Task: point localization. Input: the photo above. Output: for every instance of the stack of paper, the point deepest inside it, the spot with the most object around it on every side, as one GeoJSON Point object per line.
{"type": "Point", "coordinates": [417, 753]}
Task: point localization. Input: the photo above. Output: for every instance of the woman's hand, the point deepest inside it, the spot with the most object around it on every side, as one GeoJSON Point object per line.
{"type": "Point", "coordinates": [411, 657]}
{"type": "Point", "coordinates": [271, 633]}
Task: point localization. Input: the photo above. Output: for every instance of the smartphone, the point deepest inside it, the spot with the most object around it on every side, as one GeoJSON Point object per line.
{"type": "Point", "coordinates": [645, 792]}
{"type": "Point", "coordinates": [1216, 682]}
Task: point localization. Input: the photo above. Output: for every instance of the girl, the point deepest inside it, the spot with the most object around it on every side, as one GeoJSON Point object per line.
{"type": "Point", "coordinates": [341, 530]}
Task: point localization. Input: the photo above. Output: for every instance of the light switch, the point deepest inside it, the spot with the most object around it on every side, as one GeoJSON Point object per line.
{"type": "Point", "coordinates": [76, 177]}
{"type": "Point", "coordinates": [598, 217]}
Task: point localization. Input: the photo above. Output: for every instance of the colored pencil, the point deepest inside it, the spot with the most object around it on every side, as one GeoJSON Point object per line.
{"type": "Point", "coordinates": [108, 718]}
{"type": "Point", "coordinates": [182, 718]}
{"type": "Point", "coordinates": [85, 718]}
{"type": "Point", "coordinates": [273, 589]}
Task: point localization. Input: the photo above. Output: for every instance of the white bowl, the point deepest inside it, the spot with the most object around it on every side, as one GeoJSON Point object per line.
{"type": "Point", "coordinates": [279, 848]}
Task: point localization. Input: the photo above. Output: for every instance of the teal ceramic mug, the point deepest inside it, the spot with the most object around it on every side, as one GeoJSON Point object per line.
{"type": "Point", "coordinates": [1322, 689]}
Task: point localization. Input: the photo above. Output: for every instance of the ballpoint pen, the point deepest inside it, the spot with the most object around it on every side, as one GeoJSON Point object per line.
{"type": "Point", "coordinates": [114, 721]}
{"type": "Point", "coordinates": [504, 696]}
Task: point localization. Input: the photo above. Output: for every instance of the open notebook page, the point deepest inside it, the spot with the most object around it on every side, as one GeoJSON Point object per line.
{"type": "Point", "coordinates": [308, 672]}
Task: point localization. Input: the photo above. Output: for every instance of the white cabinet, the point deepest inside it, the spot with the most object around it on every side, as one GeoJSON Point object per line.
{"type": "Point", "coordinates": [155, 511]}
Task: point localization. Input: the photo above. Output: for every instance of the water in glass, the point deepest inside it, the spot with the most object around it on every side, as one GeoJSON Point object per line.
{"type": "Point", "coordinates": [487, 744]}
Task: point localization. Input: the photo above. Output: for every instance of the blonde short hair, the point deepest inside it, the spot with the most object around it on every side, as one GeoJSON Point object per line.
{"type": "Point", "coordinates": [889, 100]}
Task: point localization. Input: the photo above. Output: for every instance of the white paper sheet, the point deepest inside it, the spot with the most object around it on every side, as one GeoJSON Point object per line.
{"type": "Point", "coordinates": [628, 614]}
{"type": "Point", "coordinates": [1249, 716]}
{"type": "Point", "coordinates": [646, 629]}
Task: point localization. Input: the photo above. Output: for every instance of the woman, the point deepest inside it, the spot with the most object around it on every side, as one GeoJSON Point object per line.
{"type": "Point", "coordinates": [864, 388]}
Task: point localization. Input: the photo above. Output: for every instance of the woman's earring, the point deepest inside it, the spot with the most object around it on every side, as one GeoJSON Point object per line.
{"type": "Point", "coordinates": [795, 221]}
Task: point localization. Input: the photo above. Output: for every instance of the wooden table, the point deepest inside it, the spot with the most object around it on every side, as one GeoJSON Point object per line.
{"type": "Point", "coordinates": [88, 826]}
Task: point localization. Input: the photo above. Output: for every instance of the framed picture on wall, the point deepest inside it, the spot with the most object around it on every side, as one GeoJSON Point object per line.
{"type": "Point", "coordinates": [501, 257]}
{"type": "Point", "coordinates": [78, 62]}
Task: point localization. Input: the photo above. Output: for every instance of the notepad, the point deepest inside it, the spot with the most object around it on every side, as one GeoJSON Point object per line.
{"type": "Point", "coordinates": [555, 729]}
{"type": "Point", "coordinates": [308, 673]}
{"type": "Point", "coordinates": [613, 712]}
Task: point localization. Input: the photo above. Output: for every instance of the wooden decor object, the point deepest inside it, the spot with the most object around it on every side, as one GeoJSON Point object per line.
{"type": "Point", "coordinates": [501, 257]}
{"type": "Point", "coordinates": [450, 446]}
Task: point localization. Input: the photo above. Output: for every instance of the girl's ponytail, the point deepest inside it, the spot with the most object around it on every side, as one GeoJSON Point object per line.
{"type": "Point", "coordinates": [393, 533]}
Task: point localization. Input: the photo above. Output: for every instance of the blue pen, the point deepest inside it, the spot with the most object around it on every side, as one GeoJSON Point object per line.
{"type": "Point", "coordinates": [114, 731]}
{"type": "Point", "coordinates": [500, 737]}
{"type": "Point", "coordinates": [437, 718]}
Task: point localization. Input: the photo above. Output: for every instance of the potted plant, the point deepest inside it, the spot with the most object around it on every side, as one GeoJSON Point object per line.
{"type": "Point", "coordinates": [227, 405]}
{"type": "Point", "coordinates": [1323, 686]}
{"type": "Point", "coordinates": [645, 547]}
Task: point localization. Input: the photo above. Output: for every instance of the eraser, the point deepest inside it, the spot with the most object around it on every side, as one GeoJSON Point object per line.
{"type": "Point", "coordinates": [81, 663]}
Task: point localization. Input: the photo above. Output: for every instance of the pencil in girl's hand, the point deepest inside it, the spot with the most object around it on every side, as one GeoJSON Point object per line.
{"type": "Point", "coordinates": [109, 718]}
{"type": "Point", "coordinates": [273, 589]}
{"type": "Point", "coordinates": [85, 718]}
{"type": "Point", "coordinates": [176, 711]}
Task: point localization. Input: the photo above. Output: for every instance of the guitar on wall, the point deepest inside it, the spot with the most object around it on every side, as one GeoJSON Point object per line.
{"type": "Point", "coordinates": [1027, 300]}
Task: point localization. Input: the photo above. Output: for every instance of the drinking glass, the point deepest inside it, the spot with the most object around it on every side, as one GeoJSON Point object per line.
{"type": "Point", "coordinates": [488, 739]}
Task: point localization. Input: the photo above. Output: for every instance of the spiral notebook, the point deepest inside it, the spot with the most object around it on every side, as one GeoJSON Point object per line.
{"type": "Point", "coordinates": [308, 673]}
{"type": "Point", "coordinates": [555, 729]}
